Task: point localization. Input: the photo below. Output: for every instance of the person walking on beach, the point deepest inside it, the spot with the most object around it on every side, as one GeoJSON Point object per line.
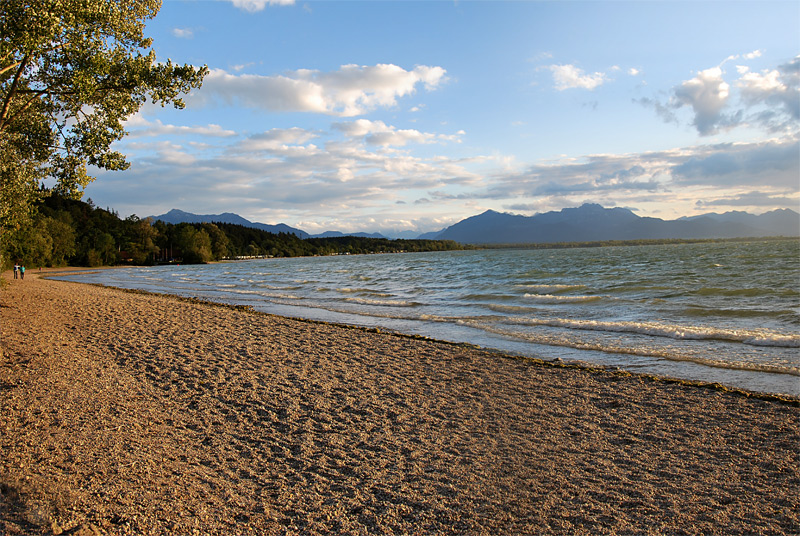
{"type": "Point", "coordinates": [16, 270]}
{"type": "Point", "coordinates": [22, 271]}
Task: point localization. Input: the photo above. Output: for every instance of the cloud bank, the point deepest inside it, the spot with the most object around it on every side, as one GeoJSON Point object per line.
{"type": "Point", "coordinates": [769, 99]}
{"type": "Point", "coordinates": [350, 91]}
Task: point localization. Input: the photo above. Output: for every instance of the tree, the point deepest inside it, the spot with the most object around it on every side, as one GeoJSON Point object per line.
{"type": "Point", "coordinates": [219, 242]}
{"type": "Point", "coordinates": [71, 71]}
{"type": "Point", "coordinates": [195, 245]}
{"type": "Point", "coordinates": [63, 240]}
{"type": "Point", "coordinates": [141, 240]}
{"type": "Point", "coordinates": [35, 247]}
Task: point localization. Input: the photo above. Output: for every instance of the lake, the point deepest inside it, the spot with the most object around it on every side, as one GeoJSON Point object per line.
{"type": "Point", "coordinates": [725, 312]}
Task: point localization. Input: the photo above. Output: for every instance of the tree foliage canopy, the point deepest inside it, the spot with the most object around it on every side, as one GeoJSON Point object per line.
{"type": "Point", "coordinates": [71, 71]}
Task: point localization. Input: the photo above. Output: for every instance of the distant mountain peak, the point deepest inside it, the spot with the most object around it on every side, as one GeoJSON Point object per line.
{"type": "Point", "coordinates": [339, 234]}
{"type": "Point", "coordinates": [175, 212]}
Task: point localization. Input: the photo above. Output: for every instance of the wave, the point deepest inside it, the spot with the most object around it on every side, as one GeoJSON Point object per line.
{"type": "Point", "coordinates": [551, 289]}
{"type": "Point", "coordinates": [669, 355]}
{"type": "Point", "coordinates": [384, 302]}
{"type": "Point", "coordinates": [734, 313]}
{"type": "Point", "coordinates": [267, 295]}
{"type": "Point", "coordinates": [550, 298]}
{"type": "Point", "coordinates": [363, 292]}
{"type": "Point", "coordinates": [500, 308]}
{"type": "Point", "coordinates": [673, 331]}
{"type": "Point", "coordinates": [475, 298]}
{"type": "Point", "coordinates": [714, 291]}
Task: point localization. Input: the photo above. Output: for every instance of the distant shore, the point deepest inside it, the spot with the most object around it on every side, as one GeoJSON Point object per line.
{"type": "Point", "coordinates": [633, 242]}
{"type": "Point", "coordinates": [132, 413]}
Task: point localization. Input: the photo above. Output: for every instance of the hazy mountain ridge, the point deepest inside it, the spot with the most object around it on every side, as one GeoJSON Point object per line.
{"type": "Point", "coordinates": [176, 216]}
{"type": "Point", "coordinates": [591, 222]}
{"type": "Point", "coordinates": [587, 223]}
{"type": "Point", "coordinates": [337, 234]}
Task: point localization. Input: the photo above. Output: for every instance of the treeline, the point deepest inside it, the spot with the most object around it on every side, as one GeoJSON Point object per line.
{"type": "Point", "coordinates": [71, 232]}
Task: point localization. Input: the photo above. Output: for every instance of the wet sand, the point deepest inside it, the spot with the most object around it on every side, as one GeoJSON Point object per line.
{"type": "Point", "coordinates": [130, 413]}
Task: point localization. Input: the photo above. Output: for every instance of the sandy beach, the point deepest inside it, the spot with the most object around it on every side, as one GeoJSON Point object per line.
{"type": "Point", "coordinates": [131, 413]}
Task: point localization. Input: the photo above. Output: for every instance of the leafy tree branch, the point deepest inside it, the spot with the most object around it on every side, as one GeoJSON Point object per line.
{"type": "Point", "coordinates": [71, 73]}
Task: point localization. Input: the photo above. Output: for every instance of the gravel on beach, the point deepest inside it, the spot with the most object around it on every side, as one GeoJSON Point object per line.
{"type": "Point", "coordinates": [132, 413]}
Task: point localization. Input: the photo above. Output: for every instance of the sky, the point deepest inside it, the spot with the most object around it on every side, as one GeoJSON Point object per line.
{"type": "Point", "coordinates": [406, 117]}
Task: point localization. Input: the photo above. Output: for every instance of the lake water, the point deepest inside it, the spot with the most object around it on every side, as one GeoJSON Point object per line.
{"type": "Point", "coordinates": [718, 312]}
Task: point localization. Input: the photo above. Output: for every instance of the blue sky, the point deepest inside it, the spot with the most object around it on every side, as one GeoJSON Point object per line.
{"type": "Point", "coordinates": [410, 116]}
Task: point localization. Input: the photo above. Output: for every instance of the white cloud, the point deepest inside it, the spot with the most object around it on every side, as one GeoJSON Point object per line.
{"type": "Point", "coordinates": [399, 138]}
{"type": "Point", "coordinates": [779, 88]}
{"type": "Point", "coordinates": [241, 67]}
{"type": "Point", "coordinates": [350, 91]}
{"type": "Point", "coordinates": [138, 126]}
{"type": "Point", "coordinates": [707, 94]}
{"type": "Point", "coordinates": [379, 133]}
{"type": "Point", "coordinates": [276, 140]}
{"type": "Point", "coordinates": [258, 5]}
{"type": "Point", "coordinates": [768, 99]}
{"type": "Point", "coordinates": [749, 56]}
{"type": "Point", "coordinates": [174, 155]}
{"type": "Point", "coordinates": [570, 77]}
{"type": "Point", "coordinates": [754, 85]}
{"type": "Point", "coordinates": [361, 127]}
{"type": "Point", "coordinates": [183, 33]}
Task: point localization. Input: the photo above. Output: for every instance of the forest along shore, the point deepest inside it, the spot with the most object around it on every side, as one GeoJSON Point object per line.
{"type": "Point", "coordinates": [129, 413]}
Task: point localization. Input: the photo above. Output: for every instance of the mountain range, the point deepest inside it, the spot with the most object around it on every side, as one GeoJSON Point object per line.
{"type": "Point", "coordinates": [591, 222]}
{"type": "Point", "coordinates": [178, 216]}
{"type": "Point", "coordinates": [587, 223]}
{"type": "Point", "coordinates": [175, 216]}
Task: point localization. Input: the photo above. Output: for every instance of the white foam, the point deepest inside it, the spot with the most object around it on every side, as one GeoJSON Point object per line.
{"type": "Point", "coordinates": [668, 354]}
{"type": "Point", "coordinates": [549, 298]}
{"type": "Point", "coordinates": [539, 289]}
{"type": "Point", "coordinates": [348, 290]}
{"type": "Point", "coordinates": [674, 331]}
{"type": "Point", "coordinates": [371, 301]}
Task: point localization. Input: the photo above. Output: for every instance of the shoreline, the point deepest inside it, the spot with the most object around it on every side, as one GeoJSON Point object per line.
{"type": "Point", "coordinates": [749, 378]}
{"type": "Point", "coordinates": [499, 354]}
{"type": "Point", "coordinates": [127, 412]}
